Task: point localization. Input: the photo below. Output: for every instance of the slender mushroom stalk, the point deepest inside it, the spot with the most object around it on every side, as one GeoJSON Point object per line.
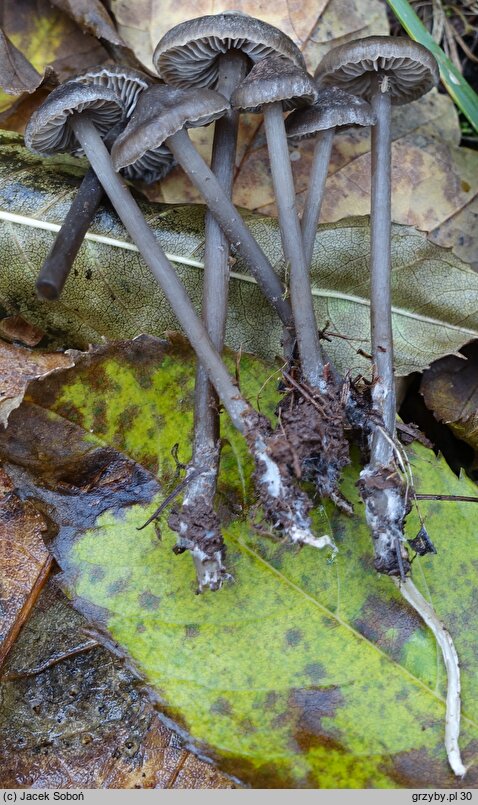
{"type": "Point", "coordinates": [207, 545]}
{"type": "Point", "coordinates": [388, 71]}
{"type": "Point", "coordinates": [212, 51]}
{"type": "Point", "coordinates": [315, 190]}
{"type": "Point", "coordinates": [160, 118]}
{"type": "Point", "coordinates": [383, 70]}
{"type": "Point", "coordinates": [127, 83]}
{"type": "Point", "coordinates": [313, 423]}
{"type": "Point", "coordinates": [272, 85]}
{"type": "Point", "coordinates": [333, 109]}
{"type": "Point", "coordinates": [286, 506]}
{"type": "Point", "coordinates": [57, 266]}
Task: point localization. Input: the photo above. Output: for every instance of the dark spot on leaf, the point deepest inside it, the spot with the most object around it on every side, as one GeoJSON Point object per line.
{"type": "Point", "coordinates": [141, 628]}
{"type": "Point", "coordinates": [388, 624]}
{"type": "Point", "coordinates": [118, 586]}
{"type": "Point", "coordinates": [221, 706]}
{"type": "Point", "coordinates": [315, 671]}
{"type": "Point", "coordinates": [127, 417]}
{"type": "Point", "coordinates": [96, 574]}
{"type": "Point", "coordinates": [271, 699]}
{"type": "Point", "coordinates": [149, 601]}
{"type": "Point", "coordinates": [247, 726]}
{"type": "Point", "coordinates": [293, 637]}
{"type": "Point", "coordinates": [419, 769]}
{"type": "Point", "coordinates": [192, 630]}
{"type": "Point", "coordinates": [88, 274]}
{"type": "Point", "coordinates": [307, 707]}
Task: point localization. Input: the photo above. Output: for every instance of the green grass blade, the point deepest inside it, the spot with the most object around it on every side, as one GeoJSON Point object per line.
{"type": "Point", "coordinates": [457, 87]}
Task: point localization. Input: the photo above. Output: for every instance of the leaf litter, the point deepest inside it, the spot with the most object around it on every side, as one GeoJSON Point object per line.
{"type": "Point", "coordinates": [464, 185]}
{"type": "Point", "coordinates": [338, 629]}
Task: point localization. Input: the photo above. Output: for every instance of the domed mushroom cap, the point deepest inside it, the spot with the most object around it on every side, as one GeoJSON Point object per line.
{"type": "Point", "coordinates": [408, 68]}
{"type": "Point", "coordinates": [187, 55]}
{"type": "Point", "coordinates": [125, 81]}
{"type": "Point", "coordinates": [333, 108]}
{"type": "Point", "coordinates": [162, 111]}
{"type": "Point", "coordinates": [274, 79]}
{"type": "Point", "coordinates": [48, 131]}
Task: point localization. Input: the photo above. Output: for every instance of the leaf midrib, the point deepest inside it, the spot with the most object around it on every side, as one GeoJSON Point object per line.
{"type": "Point", "coordinates": [181, 260]}
{"type": "Point", "coordinates": [241, 545]}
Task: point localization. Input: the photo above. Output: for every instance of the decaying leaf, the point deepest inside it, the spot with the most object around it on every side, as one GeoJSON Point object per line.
{"type": "Point", "coordinates": [144, 22]}
{"type": "Point", "coordinates": [17, 367]}
{"type": "Point", "coordinates": [72, 716]}
{"type": "Point", "coordinates": [433, 180]}
{"type": "Point", "coordinates": [304, 672]}
{"type": "Point", "coordinates": [15, 328]}
{"type": "Point", "coordinates": [17, 75]}
{"type": "Point", "coordinates": [112, 294]}
{"type": "Point", "coordinates": [450, 390]}
{"type": "Point", "coordinates": [92, 17]}
{"type": "Point", "coordinates": [46, 36]}
{"type": "Point", "coordinates": [24, 561]}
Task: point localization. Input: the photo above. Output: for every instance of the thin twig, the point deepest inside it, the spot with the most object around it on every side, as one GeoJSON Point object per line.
{"type": "Point", "coordinates": [459, 498]}
{"type": "Point", "coordinates": [179, 488]}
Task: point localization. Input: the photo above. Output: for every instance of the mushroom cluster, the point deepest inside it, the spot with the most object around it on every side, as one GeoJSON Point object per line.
{"type": "Point", "coordinates": [210, 70]}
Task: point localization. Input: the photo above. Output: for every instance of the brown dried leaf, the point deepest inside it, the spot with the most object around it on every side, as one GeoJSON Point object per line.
{"type": "Point", "coordinates": [16, 328]}
{"type": "Point", "coordinates": [24, 561]}
{"type": "Point", "coordinates": [450, 390]}
{"type": "Point", "coordinates": [143, 23]}
{"type": "Point", "coordinates": [17, 75]}
{"type": "Point", "coordinates": [435, 183]}
{"type": "Point", "coordinates": [46, 36]}
{"type": "Point", "coordinates": [72, 715]}
{"type": "Point", "coordinates": [92, 18]}
{"type": "Point", "coordinates": [18, 366]}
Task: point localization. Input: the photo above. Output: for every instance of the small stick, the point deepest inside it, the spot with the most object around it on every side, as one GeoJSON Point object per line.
{"type": "Point", "coordinates": [459, 498]}
{"type": "Point", "coordinates": [450, 657]}
{"type": "Point", "coordinates": [167, 500]}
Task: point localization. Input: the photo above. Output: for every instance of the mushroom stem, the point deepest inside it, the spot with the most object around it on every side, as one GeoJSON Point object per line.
{"type": "Point", "coordinates": [311, 357]}
{"type": "Point", "coordinates": [157, 261]}
{"type": "Point", "coordinates": [315, 192]}
{"type": "Point", "coordinates": [230, 222]}
{"type": "Point", "coordinates": [54, 271]}
{"type": "Point", "coordinates": [232, 68]}
{"type": "Point", "coordinates": [288, 507]}
{"type": "Point", "coordinates": [209, 565]}
{"type": "Point", "coordinates": [380, 293]}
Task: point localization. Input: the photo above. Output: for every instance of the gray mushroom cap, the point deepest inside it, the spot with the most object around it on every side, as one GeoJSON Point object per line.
{"type": "Point", "coordinates": [162, 111]}
{"type": "Point", "coordinates": [407, 69]}
{"type": "Point", "coordinates": [274, 79]}
{"type": "Point", "coordinates": [48, 131]}
{"type": "Point", "coordinates": [334, 108]}
{"type": "Point", "coordinates": [125, 81]}
{"type": "Point", "coordinates": [188, 54]}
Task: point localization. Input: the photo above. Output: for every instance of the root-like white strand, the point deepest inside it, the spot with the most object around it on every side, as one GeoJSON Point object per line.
{"type": "Point", "coordinates": [297, 527]}
{"type": "Point", "coordinates": [444, 640]}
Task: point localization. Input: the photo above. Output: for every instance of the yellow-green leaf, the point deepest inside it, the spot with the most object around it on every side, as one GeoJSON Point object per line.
{"type": "Point", "coordinates": [305, 672]}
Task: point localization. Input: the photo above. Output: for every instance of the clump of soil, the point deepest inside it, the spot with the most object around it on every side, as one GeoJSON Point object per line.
{"type": "Point", "coordinates": [199, 531]}
{"type": "Point", "coordinates": [312, 424]}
